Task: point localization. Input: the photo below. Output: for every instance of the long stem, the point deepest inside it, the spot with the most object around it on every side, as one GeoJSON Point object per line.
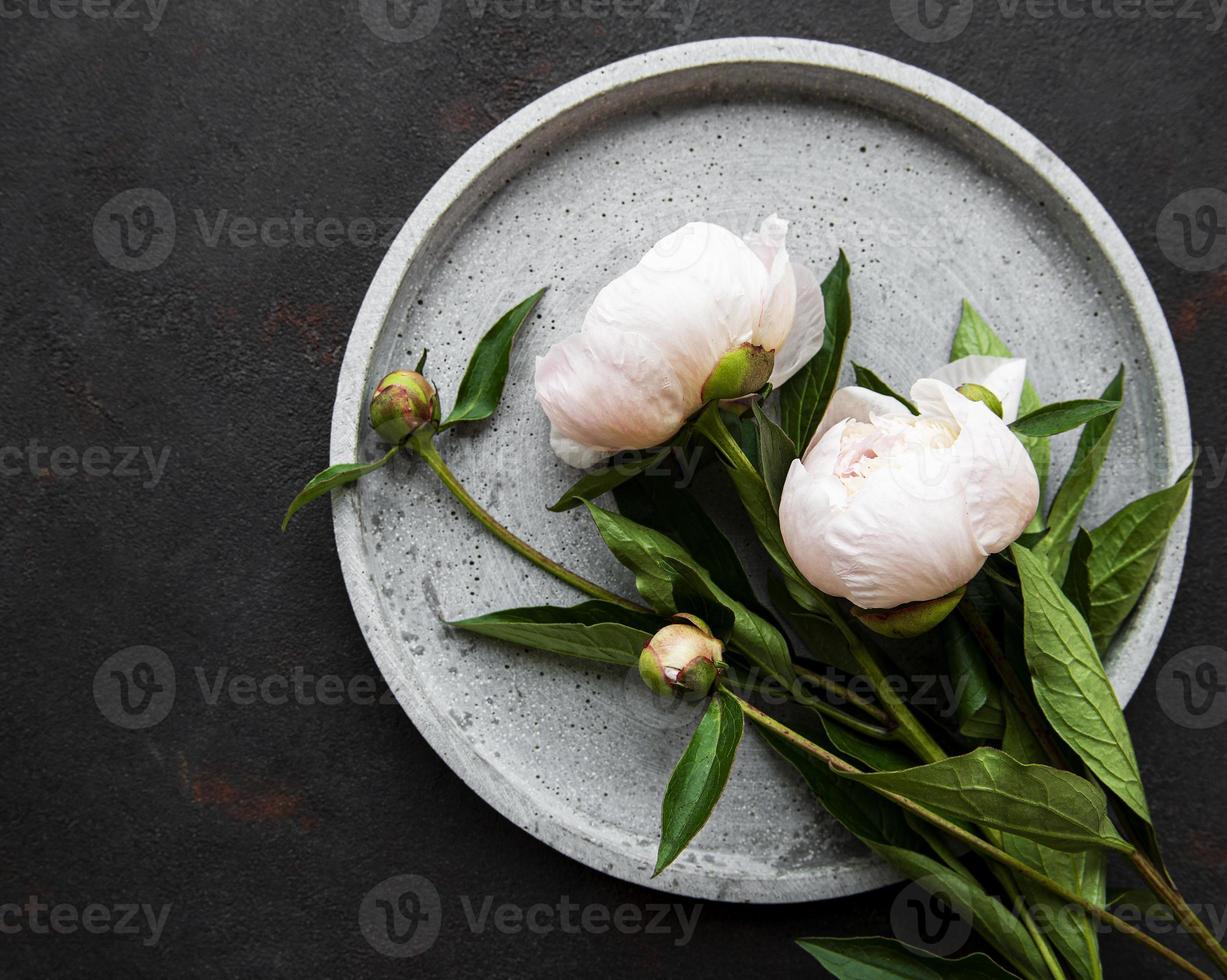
{"type": "Point", "coordinates": [1188, 918]}
{"type": "Point", "coordinates": [838, 690]}
{"type": "Point", "coordinates": [910, 729]}
{"type": "Point", "coordinates": [977, 844]}
{"type": "Point", "coordinates": [425, 448]}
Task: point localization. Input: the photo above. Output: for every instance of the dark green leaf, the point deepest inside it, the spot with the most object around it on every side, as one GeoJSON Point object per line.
{"type": "Point", "coordinates": [1077, 584]}
{"type": "Point", "coordinates": [821, 637]}
{"type": "Point", "coordinates": [331, 479]}
{"type": "Point", "coordinates": [1051, 420]}
{"type": "Point", "coordinates": [593, 630]}
{"type": "Point", "coordinates": [1124, 552]}
{"type": "Point", "coordinates": [1092, 449]}
{"type": "Point", "coordinates": [867, 379]}
{"type": "Point", "coordinates": [991, 919]}
{"type": "Point", "coordinates": [990, 788]}
{"type": "Point", "coordinates": [775, 455]}
{"type": "Point", "coordinates": [699, 778]}
{"type": "Point", "coordinates": [421, 365]}
{"type": "Point", "coordinates": [1144, 902]}
{"type": "Point", "coordinates": [1070, 684]}
{"type": "Point", "coordinates": [977, 702]}
{"type": "Point", "coordinates": [660, 565]}
{"type": "Point", "coordinates": [975, 336]}
{"type": "Point", "coordinates": [659, 504]}
{"type": "Point", "coordinates": [804, 397]}
{"type": "Point", "coordinates": [482, 384]}
{"type": "Point", "coordinates": [592, 485]}
{"type": "Point", "coordinates": [871, 958]}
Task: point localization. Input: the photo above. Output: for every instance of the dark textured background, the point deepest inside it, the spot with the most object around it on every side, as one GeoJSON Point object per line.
{"type": "Point", "coordinates": [264, 825]}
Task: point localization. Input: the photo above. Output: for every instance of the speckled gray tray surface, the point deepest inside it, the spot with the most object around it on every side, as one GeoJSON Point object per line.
{"type": "Point", "coordinates": [934, 195]}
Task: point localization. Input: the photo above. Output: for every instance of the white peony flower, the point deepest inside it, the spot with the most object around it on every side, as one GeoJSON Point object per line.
{"type": "Point", "coordinates": [705, 315]}
{"type": "Point", "coordinates": [887, 508]}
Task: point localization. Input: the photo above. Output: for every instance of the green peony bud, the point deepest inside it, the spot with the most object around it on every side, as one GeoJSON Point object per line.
{"type": "Point", "coordinates": [742, 371]}
{"type": "Point", "coordinates": [910, 619]}
{"type": "Point", "coordinates": [403, 402]}
{"type": "Point", "coordinates": [978, 393]}
{"type": "Point", "coordinates": [683, 656]}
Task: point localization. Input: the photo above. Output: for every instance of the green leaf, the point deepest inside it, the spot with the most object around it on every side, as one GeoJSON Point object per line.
{"type": "Point", "coordinates": [699, 778]}
{"type": "Point", "coordinates": [775, 455]}
{"type": "Point", "coordinates": [1077, 582]}
{"type": "Point", "coordinates": [1070, 684]}
{"type": "Point", "coordinates": [660, 565]}
{"type": "Point", "coordinates": [1069, 929]}
{"type": "Point", "coordinates": [867, 379]}
{"type": "Point", "coordinates": [482, 384]}
{"type": "Point", "coordinates": [991, 919]}
{"type": "Point", "coordinates": [1051, 420]}
{"type": "Point", "coordinates": [1080, 478]}
{"type": "Point", "coordinates": [975, 336]}
{"type": "Point", "coordinates": [873, 958]}
{"type": "Point", "coordinates": [821, 637]}
{"type": "Point", "coordinates": [658, 504]}
{"type": "Point", "coordinates": [804, 397]}
{"type": "Point", "coordinates": [978, 703]}
{"type": "Point", "coordinates": [331, 479]}
{"type": "Point", "coordinates": [593, 630]}
{"type": "Point", "coordinates": [993, 789]}
{"type": "Point", "coordinates": [592, 485]}
{"type": "Point", "coordinates": [1124, 552]}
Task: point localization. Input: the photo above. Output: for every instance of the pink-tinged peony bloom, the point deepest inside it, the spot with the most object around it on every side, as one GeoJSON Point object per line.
{"type": "Point", "coordinates": [886, 507]}
{"type": "Point", "coordinates": [704, 315]}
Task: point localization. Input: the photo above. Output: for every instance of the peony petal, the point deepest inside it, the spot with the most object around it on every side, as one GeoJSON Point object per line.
{"type": "Point", "coordinates": [1001, 487]}
{"type": "Point", "coordinates": [855, 403]}
{"type": "Point", "coordinates": [607, 392]}
{"type": "Point", "coordinates": [1003, 376]}
{"type": "Point", "coordinates": [808, 327]}
{"type": "Point", "coordinates": [779, 298]}
{"type": "Point", "coordinates": [696, 295]}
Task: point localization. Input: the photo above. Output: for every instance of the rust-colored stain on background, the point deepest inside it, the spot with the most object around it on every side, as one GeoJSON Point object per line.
{"type": "Point", "coordinates": [248, 803]}
{"type": "Point", "coordinates": [1193, 312]}
{"type": "Point", "coordinates": [318, 325]}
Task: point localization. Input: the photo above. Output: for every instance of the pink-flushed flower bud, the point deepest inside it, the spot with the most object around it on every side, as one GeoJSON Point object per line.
{"type": "Point", "coordinates": [887, 508]}
{"type": "Point", "coordinates": [704, 316]}
{"type": "Point", "coordinates": [684, 656]}
{"type": "Point", "coordinates": [403, 402]}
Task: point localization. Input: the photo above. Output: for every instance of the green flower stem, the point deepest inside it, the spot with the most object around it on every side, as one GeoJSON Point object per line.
{"type": "Point", "coordinates": [422, 444]}
{"type": "Point", "coordinates": [911, 730]}
{"type": "Point", "coordinates": [1023, 700]}
{"type": "Point", "coordinates": [838, 690]}
{"type": "Point", "coordinates": [977, 844]}
{"type": "Point", "coordinates": [1188, 918]}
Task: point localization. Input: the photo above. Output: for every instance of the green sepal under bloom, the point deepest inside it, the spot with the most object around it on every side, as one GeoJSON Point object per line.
{"type": "Point", "coordinates": [742, 371]}
{"type": "Point", "coordinates": [910, 619]}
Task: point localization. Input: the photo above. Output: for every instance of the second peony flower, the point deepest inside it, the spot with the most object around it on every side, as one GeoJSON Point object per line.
{"type": "Point", "coordinates": [704, 316]}
{"type": "Point", "coordinates": [886, 507]}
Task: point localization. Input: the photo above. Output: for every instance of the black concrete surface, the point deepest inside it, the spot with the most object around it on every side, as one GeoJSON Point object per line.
{"type": "Point", "coordinates": [263, 825]}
